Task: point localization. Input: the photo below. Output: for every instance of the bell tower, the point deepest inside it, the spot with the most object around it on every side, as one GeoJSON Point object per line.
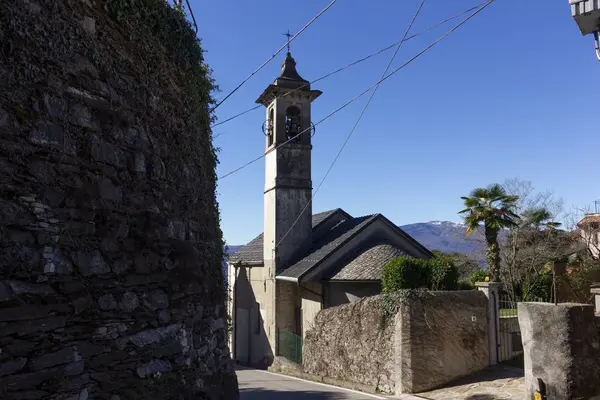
{"type": "Point", "coordinates": [288, 191]}
{"type": "Point", "coordinates": [288, 184]}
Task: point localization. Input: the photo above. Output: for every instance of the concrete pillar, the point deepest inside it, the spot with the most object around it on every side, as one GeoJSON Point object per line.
{"type": "Point", "coordinates": [561, 346]}
{"type": "Point", "coordinates": [595, 291]}
{"type": "Point", "coordinates": [491, 289]}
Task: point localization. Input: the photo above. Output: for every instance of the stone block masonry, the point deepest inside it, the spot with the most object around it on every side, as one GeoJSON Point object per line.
{"type": "Point", "coordinates": [110, 247]}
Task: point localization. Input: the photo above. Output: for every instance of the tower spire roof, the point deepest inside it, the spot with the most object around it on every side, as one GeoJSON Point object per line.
{"type": "Point", "coordinates": [289, 77]}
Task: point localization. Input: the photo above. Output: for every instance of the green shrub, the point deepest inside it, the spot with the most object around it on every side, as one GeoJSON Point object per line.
{"type": "Point", "coordinates": [464, 285]}
{"type": "Point", "coordinates": [479, 275]}
{"type": "Point", "coordinates": [444, 274]}
{"type": "Point", "coordinates": [413, 273]}
{"type": "Point", "coordinates": [405, 273]}
{"type": "Point", "coordinates": [538, 288]}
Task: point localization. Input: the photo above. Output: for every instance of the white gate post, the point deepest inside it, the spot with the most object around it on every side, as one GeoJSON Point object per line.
{"type": "Point", "coordinates": [491, 289]}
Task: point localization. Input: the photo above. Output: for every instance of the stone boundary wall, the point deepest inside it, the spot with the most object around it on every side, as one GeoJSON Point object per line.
{"type": "Point", "coordinates": [110, 248]}
{"type": "Point", "coordinates": [354, 343]}
{"type": "Point", "coordinates": [561, 350]}
{"type": "Point", "coordinates": [434, 338]}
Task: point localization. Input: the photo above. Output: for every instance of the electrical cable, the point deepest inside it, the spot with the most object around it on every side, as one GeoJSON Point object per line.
{"type": "Point", "coordinates": [274, 55]}
{"type": "Point", "coordinates": [353, 63]}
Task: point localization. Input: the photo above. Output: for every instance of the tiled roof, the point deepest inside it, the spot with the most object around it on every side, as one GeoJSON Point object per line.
{"type": "Point", "coordinates": [588, 219]}
{"type": "Point", "coordinates": [368, 265]}
{"type": "Point", "coordinates": [252, 252]}
{"type": "Point", "coordinates": [327, 244]}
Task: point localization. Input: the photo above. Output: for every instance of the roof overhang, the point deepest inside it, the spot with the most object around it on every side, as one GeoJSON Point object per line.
{"type": "Point", "coordinates": [273, 91]}
{"type": "Point", "coordinates": [287, 279]}
{"type": "Point", "coordinates": [244, 263]}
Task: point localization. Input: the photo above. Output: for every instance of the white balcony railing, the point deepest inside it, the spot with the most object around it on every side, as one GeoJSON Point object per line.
{"type": "Point", "coordinates": [586, 14]}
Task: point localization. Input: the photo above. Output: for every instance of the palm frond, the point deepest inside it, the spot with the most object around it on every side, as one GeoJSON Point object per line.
{"type": "Point", "coordinates": [480, 193]}
{"type": "Point", "coordinates": [495, 191]}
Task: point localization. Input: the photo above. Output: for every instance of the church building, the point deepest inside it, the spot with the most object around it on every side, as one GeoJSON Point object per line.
{"type": "Point", "coordinates": [302, 262]}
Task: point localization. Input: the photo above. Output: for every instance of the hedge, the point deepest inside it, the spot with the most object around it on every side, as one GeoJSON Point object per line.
{"type": "Point", "coordinates": [413, 273]}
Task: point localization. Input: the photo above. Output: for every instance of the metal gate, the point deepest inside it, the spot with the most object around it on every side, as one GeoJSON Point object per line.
{"type": "Point", "coordinates": [289, 345]}
{"type": "Point", "coordinates": [510, 346]}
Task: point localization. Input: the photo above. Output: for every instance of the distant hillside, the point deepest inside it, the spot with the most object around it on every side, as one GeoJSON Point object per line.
{"type": "Point", "coordinates": [233, 248]}
{"type": "Point", "coordinates": [445, 236]}
{"type": "Point", "coordinates": [449, 237]}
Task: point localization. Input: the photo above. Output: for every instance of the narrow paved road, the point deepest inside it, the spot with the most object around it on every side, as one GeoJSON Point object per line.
{"type": "Point", "coordinates": [263, 385]}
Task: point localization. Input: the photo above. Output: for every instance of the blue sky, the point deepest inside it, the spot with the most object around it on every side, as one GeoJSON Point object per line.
{"type": "Point", "coordinates": [510, 94]}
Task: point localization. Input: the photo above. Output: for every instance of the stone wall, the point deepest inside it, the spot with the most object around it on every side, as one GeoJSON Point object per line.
{"type": "Point", "coordinates": [353, 343]}
{"type": "Point", "coordinates": [561, 350]}
{"type": "Point", "coordinates": [432, 339]}
{"type": "Point", "coordinates": [110, 248]}
{"type": "Point", "coordinates": [444, 336]}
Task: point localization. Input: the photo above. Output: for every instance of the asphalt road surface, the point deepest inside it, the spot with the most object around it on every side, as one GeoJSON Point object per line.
{"type": "Point", "coordinates": [263, 385]}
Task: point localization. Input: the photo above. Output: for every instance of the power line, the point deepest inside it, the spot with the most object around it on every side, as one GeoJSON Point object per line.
{"type": "Point", "coordinates": [354, 63]}
{"type": "Point", "coordinates": [355, 124]}
{"type": "Point", "coordinates": [275, 55]}
{"type": "Point", "coordinates": [488, 2]}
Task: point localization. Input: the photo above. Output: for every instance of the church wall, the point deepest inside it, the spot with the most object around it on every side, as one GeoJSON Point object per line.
{"type": "Point", "coordinates": [248, 338]}
{"type": "Point", "coordinates": [339, 293]}
{"type": "Point", "coordinates": [311, 298]}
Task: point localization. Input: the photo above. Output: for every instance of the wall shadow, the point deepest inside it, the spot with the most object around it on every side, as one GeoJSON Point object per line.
{"type": "Point", "coordinates": [489, 374]}
{"type": "Point", "coordinates": [251, 346]}
{"type": "Point", "coordinates": [271, 394]}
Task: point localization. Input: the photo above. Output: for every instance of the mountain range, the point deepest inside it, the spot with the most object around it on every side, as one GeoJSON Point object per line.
{"type": "Point", "coordinates": [448, 237]}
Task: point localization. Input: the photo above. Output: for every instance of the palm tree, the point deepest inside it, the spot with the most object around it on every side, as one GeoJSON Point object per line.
{"type": "Point", "coordinates": [493, 207]}
{"type": "Point", "coordinates": [539, 218]}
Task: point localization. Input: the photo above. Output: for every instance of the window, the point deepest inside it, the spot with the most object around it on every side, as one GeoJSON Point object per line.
{"type": "Point", "coordinates": [293, 125]}
{"type": "Point", "coordinates": [270, 128]}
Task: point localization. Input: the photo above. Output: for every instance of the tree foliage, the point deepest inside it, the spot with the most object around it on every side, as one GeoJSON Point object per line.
{"type": "Point", "coordinates": [534, 244]}
{"type": "Point", "coordinates": [464, 264]}
{"type": "Point", "coordinates": [479, 275]}
{"type": "Point", "coordinates": [494, 208]}
{"type": "Point", "coordinates": [444, 274]}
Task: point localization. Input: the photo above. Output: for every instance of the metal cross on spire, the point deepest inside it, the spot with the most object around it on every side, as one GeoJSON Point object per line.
{"type": "Point", "coordinates": [288, 35]}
